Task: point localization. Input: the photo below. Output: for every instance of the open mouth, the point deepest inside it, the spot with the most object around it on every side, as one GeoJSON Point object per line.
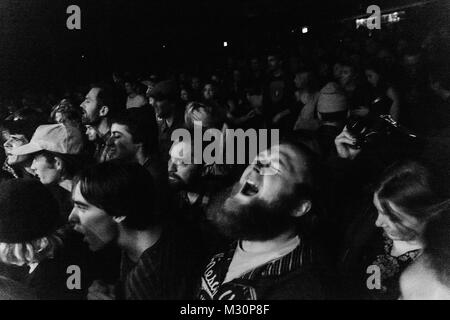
{"type": "Point", "coordinates": [249, 188]}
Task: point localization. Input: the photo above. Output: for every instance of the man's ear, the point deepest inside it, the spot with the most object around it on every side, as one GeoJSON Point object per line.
{"type": "Point", "coordinates": [119, 219]}
{"type": "Point", "coordinates": [302, 209]}
{"type": "Point", "coordinates": [104, 111]}
{"type": "Point", "coordinates": [58, 163]}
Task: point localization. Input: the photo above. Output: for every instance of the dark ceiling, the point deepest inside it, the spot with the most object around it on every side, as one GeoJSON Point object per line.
{"type": "Point", "coordinates": [34, 40]}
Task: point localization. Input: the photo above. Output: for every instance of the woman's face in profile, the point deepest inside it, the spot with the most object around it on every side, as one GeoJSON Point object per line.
{"type": "Point", "coordinates": [394, 230]}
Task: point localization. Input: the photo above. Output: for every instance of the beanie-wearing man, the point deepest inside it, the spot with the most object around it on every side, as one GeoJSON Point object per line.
{"type": "Point", "coordinates": [332, 112]}
{"type": "Point", "coordinates": [33, 251]}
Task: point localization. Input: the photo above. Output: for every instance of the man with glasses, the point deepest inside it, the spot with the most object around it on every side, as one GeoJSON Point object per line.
{"type": "Point", "coordinates": [270, 258]}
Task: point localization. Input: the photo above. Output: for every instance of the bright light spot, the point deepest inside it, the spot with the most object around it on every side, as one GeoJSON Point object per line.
{"type": "Point", "coordinates": [225, 44]}
{"type": "Point", "coordinates": [305, 30]}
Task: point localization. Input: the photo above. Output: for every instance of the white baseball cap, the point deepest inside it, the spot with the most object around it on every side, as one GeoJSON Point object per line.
{"type": "Point", "coordinates": [57, 138]}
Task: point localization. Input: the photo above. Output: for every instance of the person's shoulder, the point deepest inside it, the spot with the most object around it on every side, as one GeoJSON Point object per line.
{"type": "Point", "coordinates": [300, 284]}
{"type": "Point", "coordinates": [13, 290]}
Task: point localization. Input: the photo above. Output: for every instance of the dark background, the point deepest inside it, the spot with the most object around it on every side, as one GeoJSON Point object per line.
{"type": "Point", "coordinates": [37, 51]}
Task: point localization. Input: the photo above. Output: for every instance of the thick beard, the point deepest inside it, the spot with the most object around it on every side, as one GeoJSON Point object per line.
{"type": "Point", "coordinates": [92, 122]}
{"type": "Point", "coordinates": [255, 221]}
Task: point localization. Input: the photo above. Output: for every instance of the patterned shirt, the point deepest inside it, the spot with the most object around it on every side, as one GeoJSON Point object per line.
{"type": "Point", "coordinates": [262, 282]}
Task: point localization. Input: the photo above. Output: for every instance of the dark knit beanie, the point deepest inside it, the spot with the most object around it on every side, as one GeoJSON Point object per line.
{"type": "Point", "coordinates": [28, 211]}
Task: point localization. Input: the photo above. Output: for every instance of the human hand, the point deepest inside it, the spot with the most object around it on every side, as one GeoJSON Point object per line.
{"type": "Point", "coordinates": [345, 145]}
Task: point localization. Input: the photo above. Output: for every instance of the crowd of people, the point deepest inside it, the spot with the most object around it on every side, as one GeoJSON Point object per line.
{"type": "Point", "coordinates": [97, 201]}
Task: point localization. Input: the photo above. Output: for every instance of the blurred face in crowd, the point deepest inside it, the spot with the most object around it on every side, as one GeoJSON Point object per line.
{"type": "Point", "coordinates": [184, 95]}
{"type": "Point", "coordinates": [129, 89]}
{"type": "Point", "coordinates": [48, 172]}
{"type": "Point", "coordinates": [273, 63]}
{"type": "Point", "coordinates": [300, 79]}
{"type": "Point", "coordinates": [91, 133]}
{"type": "Point", "coordinates": [97, 227]}
{"type": "Point", "coordinates": [90, 108]}
{"type": "Point", "coordinates": [411, 63]}
{"type": "Point", "coordinates": [236, 75]}
{"type": "Point", "coordinates": [262, 203]}
{"type": "Point", "coordinates": [195, 83]}
{"type": "Point", "coordinates": [182, 170]}
{"type": "Point", "coordinates": [372, 77]}
{"type": "Point", "coordinates": [394, 227]}
{"type": "Point", "coordinates": [163, 108]}
{"type": "Point", "coordinates": [347, 75]}
{"type": "Point", "coordinates": [419, 282]}
{"type": "Point", "coordinates": [254, 64]}
{"type": "Point", "coordinates": [209, 92]}
{"type": "Point", "coordinates": [121, 145]}
{"type": "Point", "coordinates": [13, 141]}
{"type": "Point", "coordinates": [337, 69]}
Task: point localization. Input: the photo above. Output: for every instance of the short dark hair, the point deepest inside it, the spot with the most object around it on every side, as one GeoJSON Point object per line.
{"type": "Point", "coordinates": [106, 97]}
{"type": "Point", "coordinates": [141, 123]}
{"type": "Point", "coordinates": [436, 238]}
{"type": "Point", "coordinates": [121, 189]}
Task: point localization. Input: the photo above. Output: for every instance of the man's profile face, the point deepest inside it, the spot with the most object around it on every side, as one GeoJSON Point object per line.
{"type": "Point", "coordinates": [90, 108]}
{"type": "Point", "coordinates": [129, 88]}
{"type": "Point", "coordinates": [262, 202]}
{"type": "Point", "coordinates": [182, 170]}
{"type": "Point", "coordinates": [91, 133]}
{"type": "Point", "coordinates": [13, 141]}
{"type": "Point", "coordinates": [97, 227]}
{"type": "Point", "coordinates": [272, 62]}
{"type": "Point", "coordinates": [120, 144]}
{"type": "Point", "coordinates": [163, 108]}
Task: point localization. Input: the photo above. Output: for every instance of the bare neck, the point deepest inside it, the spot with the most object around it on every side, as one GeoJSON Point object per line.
{"type": "Point", "coordinates": [268, 245]}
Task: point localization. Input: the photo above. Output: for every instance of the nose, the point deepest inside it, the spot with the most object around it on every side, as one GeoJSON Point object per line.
{"type": "Point", "coordinates": [7, 143]}
{"type": "Point", "coordinates": [381, 221]}
{"type": "Point", "coordinates": [33, 165]}
{"type": "Point", "coordinates": [73, 217]}
{"type": "Point", "coordinates": [171, 167]}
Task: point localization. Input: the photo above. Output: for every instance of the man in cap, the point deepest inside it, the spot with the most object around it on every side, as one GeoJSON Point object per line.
{"type": "Point", "coordinates": [56, 150]}
{"type": "Point", "coordinates": [332, 113]}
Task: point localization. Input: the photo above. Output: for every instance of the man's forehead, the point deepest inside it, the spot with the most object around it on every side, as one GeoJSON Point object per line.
{"type": "Point", "coordinates": [76, 194]}
{"type": "Point", "coordinates": [287, 157]}
{"type": "Point", "coordinates": [181, 150]}
{"type": "Point", "coordinates": [93, 93]}
{"type": "Point", "coordinates": [120, 128]}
